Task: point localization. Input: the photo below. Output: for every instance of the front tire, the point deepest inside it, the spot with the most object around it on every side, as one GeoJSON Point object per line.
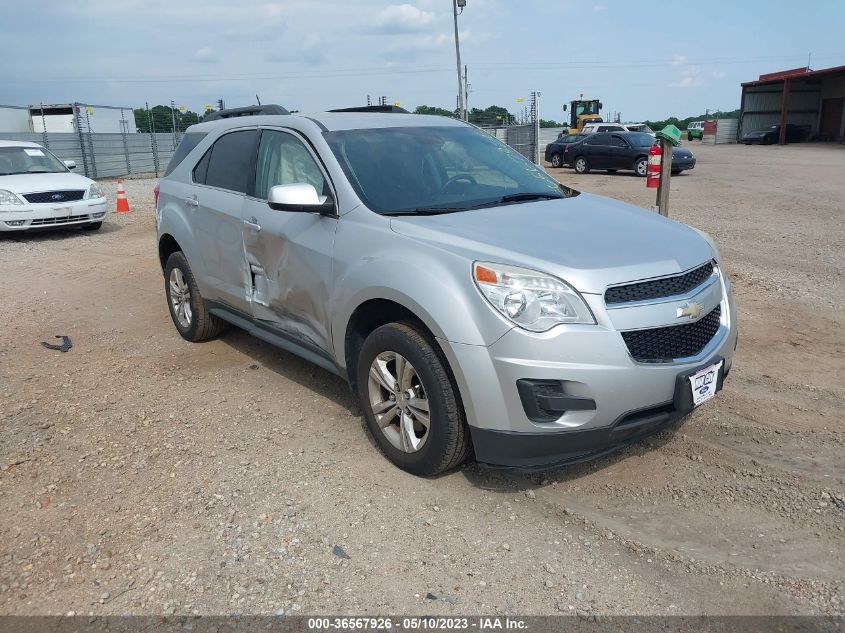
{"type": "Point", "coordinates": [92, 226]}
{"type": "Point", "coordinates": [556, 160]}
{"type": "Point", "coordinates": [410, 403]}
{"type": "Point", "coordinates": [187, 307]}
{"type": "Point", "coordinates": [581, 165]}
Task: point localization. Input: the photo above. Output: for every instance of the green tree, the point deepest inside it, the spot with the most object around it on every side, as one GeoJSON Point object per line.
{"type": "Point", "coordinates": [550, 123]}
{"type": "Point", "coordinates": [682, 124]}
{"type": "Point", "coordinates": [162, 119]}
{"type": "Point", "coordinates": [492, 115]}
{"type": "Point", "coordinates": [424, 109]}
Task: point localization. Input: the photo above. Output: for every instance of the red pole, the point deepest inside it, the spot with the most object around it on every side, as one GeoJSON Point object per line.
{"type": "Point", "coordinates": [784, 110]}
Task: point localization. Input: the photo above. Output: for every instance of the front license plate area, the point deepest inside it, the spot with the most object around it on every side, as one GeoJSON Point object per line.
{"type": "Point", "coordinates": [694, 388]}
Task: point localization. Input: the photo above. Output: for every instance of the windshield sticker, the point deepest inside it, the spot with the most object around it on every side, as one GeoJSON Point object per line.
{"type": "Point", "coordinates": [34, 152]}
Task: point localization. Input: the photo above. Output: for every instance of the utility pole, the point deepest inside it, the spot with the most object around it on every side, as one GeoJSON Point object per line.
{"type": "Point", "coordinates": [466, 95]}
{"type": "Point", "coordinates": [462, 113]}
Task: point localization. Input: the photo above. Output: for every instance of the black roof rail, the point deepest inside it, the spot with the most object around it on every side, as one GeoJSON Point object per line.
{"type": "Point", "coordinates": [253, 110]}
{"type": "Point", "coordinates": [374, 108]}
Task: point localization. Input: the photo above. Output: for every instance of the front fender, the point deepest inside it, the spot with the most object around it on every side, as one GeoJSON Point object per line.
{"type": "Point", "coordinates": [435, 284]}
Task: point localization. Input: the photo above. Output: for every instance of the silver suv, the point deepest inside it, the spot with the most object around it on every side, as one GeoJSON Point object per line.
{"type": "Point", "coordinates": [474, 304]}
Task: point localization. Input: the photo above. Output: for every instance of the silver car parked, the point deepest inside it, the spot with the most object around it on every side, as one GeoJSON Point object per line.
{"type": "Point", "coordinates": [475, 305]}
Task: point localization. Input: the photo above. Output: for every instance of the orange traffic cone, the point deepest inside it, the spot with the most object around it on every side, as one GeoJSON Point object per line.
{"type": "Point", "coordinates": [122, 201]}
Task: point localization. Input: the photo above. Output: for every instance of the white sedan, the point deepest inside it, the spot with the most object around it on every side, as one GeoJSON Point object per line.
{"type": "Point", "coordinates": [37, 190]}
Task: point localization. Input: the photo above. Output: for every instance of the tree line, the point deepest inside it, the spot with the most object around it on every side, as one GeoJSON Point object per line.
{"type": "Point", "coordinates": [161, 118]}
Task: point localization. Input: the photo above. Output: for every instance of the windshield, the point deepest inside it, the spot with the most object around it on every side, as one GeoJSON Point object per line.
{"type": "Point", "coordinates": [437, 169]}
{"type": "Point", "coordinates": [28, 160]}
{"type": "Point", "coordinates": [586, 107]}
{"type": "Point", "coordinates": [640, 139]}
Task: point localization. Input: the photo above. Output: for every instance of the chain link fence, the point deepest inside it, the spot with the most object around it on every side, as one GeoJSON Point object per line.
{"type": "Point", "coordinates": [109, 141]}
{"type": "Point", "coordinates": [104, 141]}
{"type": "Point", "coordinates": [521, 132]}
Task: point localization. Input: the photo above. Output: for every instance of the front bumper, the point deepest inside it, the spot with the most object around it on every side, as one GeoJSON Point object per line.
{"type": "Point", "coordinates": [46, 216]}
{"type": "Point", "coordinates": [591, 362]}
{"type": "Point", "coordinates": [683, 163]}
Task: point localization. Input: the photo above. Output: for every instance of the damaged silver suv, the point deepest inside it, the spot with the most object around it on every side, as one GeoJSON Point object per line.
{"type": "Point", "coordinates": [475, 305]}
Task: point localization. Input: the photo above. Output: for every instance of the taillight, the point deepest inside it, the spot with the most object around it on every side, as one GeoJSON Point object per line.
{"type": "Point", "coordinates": [155, 194]}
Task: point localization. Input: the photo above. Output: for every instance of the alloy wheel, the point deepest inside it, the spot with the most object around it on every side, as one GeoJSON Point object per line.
{"type": "Point", "coordinates": [399, 402]}
{"type": "Point", "coordinates": [180, 298]}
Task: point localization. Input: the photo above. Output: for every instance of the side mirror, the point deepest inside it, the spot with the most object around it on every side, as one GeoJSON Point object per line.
{"type": "Point", "coordinates": [564, 107]}
{"type": "Point", "coordinates": [299, 197]}
{"type": "Point", "coordinates": [70, 164]}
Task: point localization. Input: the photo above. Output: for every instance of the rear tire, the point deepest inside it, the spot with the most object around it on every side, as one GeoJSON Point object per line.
{"type": "Point", "coordinates": [187, 307]}
{"type": "Point", "coordinates": [581, 165]}
{"type": "Point", "coordinates": [641, 167]}
{"type": "Point", "coordinates": [676, 172]}
{"type": "Point", "coordinates": [556, 160]}
{"type": "Point", "coordinates": [689, 136]}
{"type": "Point", "coordinates": [92, 226]}
{"type": "Point", "coordinates": [396, 414]}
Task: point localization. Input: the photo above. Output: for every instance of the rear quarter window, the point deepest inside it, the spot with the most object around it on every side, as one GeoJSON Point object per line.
{"type": "Point", "coordinates": [186, 146]}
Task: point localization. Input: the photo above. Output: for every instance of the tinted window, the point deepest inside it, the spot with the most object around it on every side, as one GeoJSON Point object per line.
{"type": "Point", "coordinates": [597, 139]}
{"type": "Point", "coordinates": [640, 139]}
{"type": "Point", "coordinates": [189, 142]}
{"type": "Point", "coordinates": [233, 161]}
{"type": "Point", "coordinates": [617, 141]}
{"type": "Point", "coordinates": [201, 168]}
{"type": "Point", "coordinates": [284, 160]}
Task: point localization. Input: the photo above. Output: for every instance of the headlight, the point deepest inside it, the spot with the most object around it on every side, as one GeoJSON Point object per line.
{"type": "Point", "coordinates": [7, 197]}
{"type": "Point", "coordinates": [531, 299]}
{"type": "Point", "coordinates": [716, 254]}
{"type": "Point", "coordinates": [94, 191]}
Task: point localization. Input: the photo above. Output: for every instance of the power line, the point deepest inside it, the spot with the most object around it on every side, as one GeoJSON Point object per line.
{"type": "Point", "coordinates": [358, 72]}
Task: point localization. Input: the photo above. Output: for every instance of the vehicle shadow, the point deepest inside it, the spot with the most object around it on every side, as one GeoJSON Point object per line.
{"type": "Point", "coordinates": [335, 388]}
{"type": "Point", "coordinates": [35, 236]}
{"type": "Point", "coordinates": [516, 481]}
{"type": "Point", "coordinates": [292, 367]}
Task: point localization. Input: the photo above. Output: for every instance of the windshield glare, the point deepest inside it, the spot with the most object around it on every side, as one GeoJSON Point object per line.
{"type": "Point", "coordinates": [28, 160]}
{"type": "Point", "coordinates": [404, 169]}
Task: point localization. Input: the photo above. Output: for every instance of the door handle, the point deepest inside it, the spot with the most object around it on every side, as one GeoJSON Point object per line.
{"type": "Point", "coordinates": [253, 224]}
{"type": "Point", "coordinates": [192, 201]}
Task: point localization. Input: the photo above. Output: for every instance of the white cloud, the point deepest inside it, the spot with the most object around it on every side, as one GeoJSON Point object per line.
{"type": "Point", "coordinates": [718, 74]}
{"type": "Point", "coordinates": [688, 81]}
{"type": "Point", "coordinates": [401, 18]}
{"type": "Point", "coordinates": [679, 60]}
{"type": "Point", "coordinates": [205, 55]}
{"type": "Point", "coordinates": [310, 51]}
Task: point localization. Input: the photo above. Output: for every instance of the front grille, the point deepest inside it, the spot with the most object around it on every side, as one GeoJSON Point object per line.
{"type": "Point", "coordinates": [659, 288]}
{"type": "Point", "coordinates": [67, 219]}
{"type": "Point", "coordinates": [54, 197]}
{"type": "Point", "coordinates": [664, 344]}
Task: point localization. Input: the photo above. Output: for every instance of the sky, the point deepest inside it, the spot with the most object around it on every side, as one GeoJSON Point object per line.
{"type": "Point", "coordinates": [314, 55]}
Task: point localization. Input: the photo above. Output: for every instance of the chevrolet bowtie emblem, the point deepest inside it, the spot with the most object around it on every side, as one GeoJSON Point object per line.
{"type": "Point", "coordinates": [691, 310]}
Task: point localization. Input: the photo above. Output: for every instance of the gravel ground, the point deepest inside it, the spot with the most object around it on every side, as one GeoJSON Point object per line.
{"type": "Point", "coordinates": [143, 474]}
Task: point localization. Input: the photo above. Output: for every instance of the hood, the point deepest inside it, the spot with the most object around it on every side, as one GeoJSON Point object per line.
{"type": "Point", "coordinates": [758, 133]}
{"type": "Point", "coordinates": [681, 151]}
{"type": "Point", "coordinates": [32, 182]}
{"type": "Point", "coordinates": [589, 241]}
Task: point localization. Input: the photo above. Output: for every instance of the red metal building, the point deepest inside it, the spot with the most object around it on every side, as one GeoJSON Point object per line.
{"type": "Point", "coordinates": [812, 99]}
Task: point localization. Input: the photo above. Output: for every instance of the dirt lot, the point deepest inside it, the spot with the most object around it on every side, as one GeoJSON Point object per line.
{"type": "Point", "coordinates": [144, 474]}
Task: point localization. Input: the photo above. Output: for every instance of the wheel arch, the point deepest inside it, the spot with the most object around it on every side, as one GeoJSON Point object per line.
{"type": "Point", "coordinates": [167, 245]}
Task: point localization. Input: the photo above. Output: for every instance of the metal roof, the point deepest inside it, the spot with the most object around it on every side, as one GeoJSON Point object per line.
{"type": "Point", "coordinates": [794, 73]}
{"type": "Point", "coordinates": [19, 144]}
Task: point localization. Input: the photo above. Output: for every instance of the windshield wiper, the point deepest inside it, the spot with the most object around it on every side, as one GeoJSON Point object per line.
{"type": "Point", "coordinates": [428, 211]}
{"type": "Point", "coordinates": [525, 197]}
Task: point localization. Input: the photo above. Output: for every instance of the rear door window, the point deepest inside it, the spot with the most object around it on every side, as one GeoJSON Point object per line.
{"type": "Point", "coordinates": [618, 141]}
{"type": "Point", "coordinates": [188, 143]}
{"type": "Point", "coordinates": [597, 139]}
{"type": "Point", "coordinates": [232, 162]}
